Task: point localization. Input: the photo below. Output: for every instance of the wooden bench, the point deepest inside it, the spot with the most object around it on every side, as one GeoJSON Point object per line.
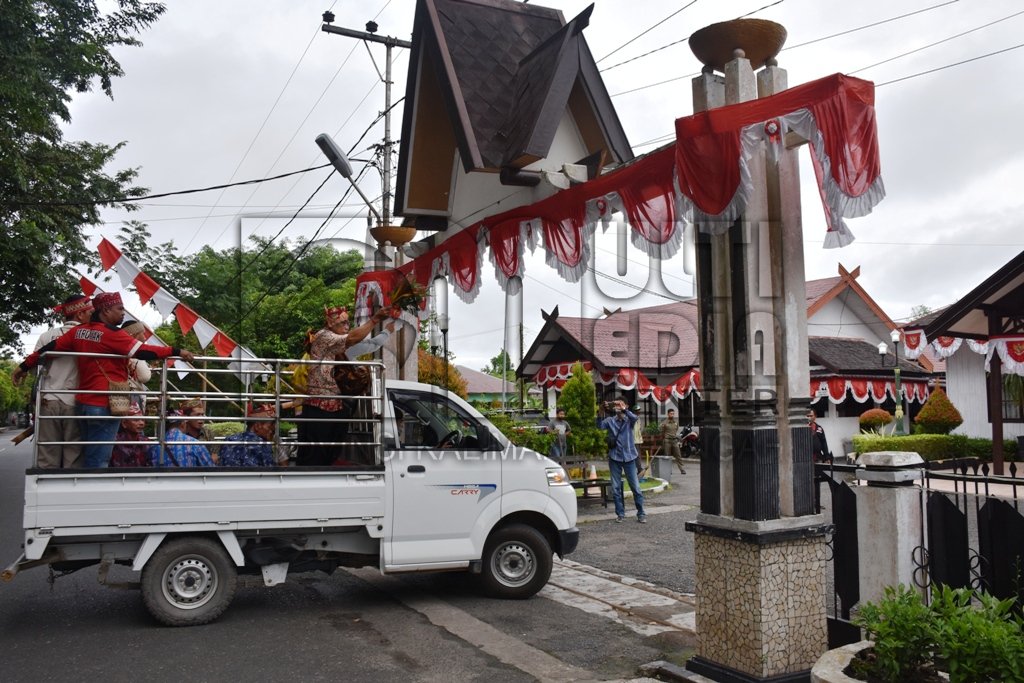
{"type": "Point", "coordinates": [572, 462]}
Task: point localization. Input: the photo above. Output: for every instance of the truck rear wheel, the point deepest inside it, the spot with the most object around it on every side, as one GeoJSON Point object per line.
{"type": "Point", "coordinates": [516, 562]}
{"type": "Point", "coordinates": [188, 581]}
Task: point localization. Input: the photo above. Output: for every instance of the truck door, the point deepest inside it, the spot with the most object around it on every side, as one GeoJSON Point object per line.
{"type": "Point", "coordinates": [445, 473]}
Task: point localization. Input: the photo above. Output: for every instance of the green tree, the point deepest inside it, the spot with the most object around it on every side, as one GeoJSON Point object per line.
{"type": "Point", "coordinates": [579, 400]}
{"type": "Point", "coordinates": [265, 297]}
{"type": "Point", "coordinates": [501, 366]}
{"type": "Point", "coordinates": [52, 188]}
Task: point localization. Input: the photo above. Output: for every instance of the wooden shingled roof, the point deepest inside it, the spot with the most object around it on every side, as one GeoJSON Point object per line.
{"type": "Point", "coordinates": [492, 79]}
{"type": "Point", "coordinates": [630, 339]}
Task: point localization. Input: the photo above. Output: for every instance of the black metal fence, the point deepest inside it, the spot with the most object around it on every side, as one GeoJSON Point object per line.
{"type": "Point", "coordinates": [972, 534]}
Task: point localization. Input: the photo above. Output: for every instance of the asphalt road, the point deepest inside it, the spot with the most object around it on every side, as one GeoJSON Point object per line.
{"type": "Point", "coordinates": [352, 626]}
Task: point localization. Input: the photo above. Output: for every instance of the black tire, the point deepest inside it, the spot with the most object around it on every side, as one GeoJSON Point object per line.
{"type": "Point", "coordinates": [516, 562]}
{"type": "Point", "coordinates": [188, 581]}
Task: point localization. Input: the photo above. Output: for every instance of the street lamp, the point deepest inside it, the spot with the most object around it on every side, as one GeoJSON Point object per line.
{"type": "Point", "coordinates": [882, 348]}
{"type": "Point", "coordinates": [442, 323]}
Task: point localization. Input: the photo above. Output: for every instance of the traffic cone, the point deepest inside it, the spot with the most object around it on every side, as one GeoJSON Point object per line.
{"type": "Point", "coordinates": [592, 474]}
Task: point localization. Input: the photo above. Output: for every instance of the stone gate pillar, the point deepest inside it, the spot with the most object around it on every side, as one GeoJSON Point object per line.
{"type": "Point", "coordinates": [759, 540]}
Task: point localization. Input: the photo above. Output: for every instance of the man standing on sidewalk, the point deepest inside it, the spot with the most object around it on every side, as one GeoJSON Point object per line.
{"type": "Point", "coordinates": [670, 439]}
{"type": "Point", "coordinates": [622, 459]}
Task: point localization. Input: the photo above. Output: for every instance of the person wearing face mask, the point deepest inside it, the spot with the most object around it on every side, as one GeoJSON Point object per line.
{"type": "Point", "coordinates": [623, 458]}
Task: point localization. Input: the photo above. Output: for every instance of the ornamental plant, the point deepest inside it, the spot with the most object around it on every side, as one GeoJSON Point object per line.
{"type": "Point", "coordinates": [579, 399]}
{"type": "Point", "coordinates": [938, 415]}
{"type": "Point", "coordinates": [874, 419]}
{"type": "Point", "coordinates": [971, 636]}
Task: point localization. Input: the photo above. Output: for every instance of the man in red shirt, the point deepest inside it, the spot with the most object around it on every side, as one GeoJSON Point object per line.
{"type": "Point", "coordinates": [100, 335]}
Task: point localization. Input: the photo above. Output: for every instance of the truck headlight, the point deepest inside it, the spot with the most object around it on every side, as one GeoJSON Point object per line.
{"type": "Point", "coordinates": [557, 476]}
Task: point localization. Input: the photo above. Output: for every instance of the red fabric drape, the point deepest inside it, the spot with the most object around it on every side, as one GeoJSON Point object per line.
{"type": "Point", "coordinates": [708, 143]}
{"type": "Point", "coordinates": [504, 240]}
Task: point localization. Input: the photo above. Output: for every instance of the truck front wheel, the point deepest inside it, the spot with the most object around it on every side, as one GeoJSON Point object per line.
{"type": "Point", "coordinates": [188, 581]}
{"type": "Point", "coordinates": [516, 562]}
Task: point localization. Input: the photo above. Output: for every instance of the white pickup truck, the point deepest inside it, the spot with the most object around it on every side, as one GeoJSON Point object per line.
{"type": "Point", "coordinates": [443, 490]}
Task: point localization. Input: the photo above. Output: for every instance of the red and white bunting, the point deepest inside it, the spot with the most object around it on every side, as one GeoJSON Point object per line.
{"type": "Point", "coordinates": [1011, 353]}
{"type": "Point", "coordinates": [704, 176]}
{"type": "Point", "coordinates": [915, 342]}
{"type": "Point", "coordinates": [945, 347]}
{"type": "Point", "coordinates": [150, 291]}
{"type": "Point", "coordinates": [863, 390]}
{"type": "Point", "coordinates": [627, 379]}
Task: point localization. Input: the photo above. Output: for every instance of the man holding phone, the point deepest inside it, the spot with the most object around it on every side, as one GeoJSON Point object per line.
{"type": "Point", "coordinates": [623, 458]}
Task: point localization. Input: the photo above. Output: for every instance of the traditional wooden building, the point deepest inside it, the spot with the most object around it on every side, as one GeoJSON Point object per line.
{"type": "Point", "coordinates": [981, 338]}
{"type": "Point", "coordinates": [651, 356]}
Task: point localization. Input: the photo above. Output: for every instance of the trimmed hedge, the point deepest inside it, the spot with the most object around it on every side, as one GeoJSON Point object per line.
{"type": "Point", "coordinates": [934, 446]}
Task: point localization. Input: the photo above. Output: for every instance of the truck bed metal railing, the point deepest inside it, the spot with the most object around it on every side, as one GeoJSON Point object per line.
{"type": "Point", "coordinates": [260, 381]}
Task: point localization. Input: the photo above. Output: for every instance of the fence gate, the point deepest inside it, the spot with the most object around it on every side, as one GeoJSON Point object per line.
{"type": "Point", "coordinates": [844, 550]}
{"type": "Point", "coordinates": [975, 531]}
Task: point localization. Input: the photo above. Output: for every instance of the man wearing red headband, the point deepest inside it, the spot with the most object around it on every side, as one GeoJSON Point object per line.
{"type": "Point", "coordinates": [323, 413]}
{"type": "Point", "coordinates": [100, 335]}
{"type": "Point", "coordinates": [56, 429]}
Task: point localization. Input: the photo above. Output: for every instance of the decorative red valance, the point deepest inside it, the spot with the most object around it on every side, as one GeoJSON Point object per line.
{"type": "Point", "coordinates": [865, 389]}
{"type": "Point", "coordinates": [835, 114]}
{"type": "Point", "coordinates": [626, 379]}
{"type": "Point", "coordinates": [708, 164]}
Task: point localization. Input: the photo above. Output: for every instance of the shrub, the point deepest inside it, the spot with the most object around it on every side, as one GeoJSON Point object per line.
{"type": "Point", "coordinates": [903, 630]}
{"type": "Point", "coordinates": [223, 429]}
{"type": "Point", "coordinates": [876, 418]}
{"type": "Point", "coordinates": [934, 446]}
{"type": "Point", "coordinates": [525, 434]}
{"type": "Point", "coordinates": [579, 400]}
{"type": "Point", "coordinates": [970, 642]}
{"type": "Point", "coordinates": [938, 415]}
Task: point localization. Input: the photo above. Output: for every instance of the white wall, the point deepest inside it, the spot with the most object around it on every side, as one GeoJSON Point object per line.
{"type": "Point", "coordinates": [475, 193]}
{"type": "Point", "coordinates": [835, 319]}
{"type": "Point", "coordinates": [965, 386]}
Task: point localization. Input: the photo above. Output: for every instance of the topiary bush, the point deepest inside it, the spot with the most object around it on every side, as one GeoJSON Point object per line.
{"type": "Point", "coordinates": [874, 419]}
{"type": "Point", "coordinates": [938, 415]}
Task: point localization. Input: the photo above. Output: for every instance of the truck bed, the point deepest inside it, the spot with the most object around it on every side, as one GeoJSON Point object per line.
{"type": "Point", "coordinates": [72, 504]}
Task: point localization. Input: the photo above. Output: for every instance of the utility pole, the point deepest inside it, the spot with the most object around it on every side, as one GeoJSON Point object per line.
{"type": "Point", "coordinates": [389, 43]}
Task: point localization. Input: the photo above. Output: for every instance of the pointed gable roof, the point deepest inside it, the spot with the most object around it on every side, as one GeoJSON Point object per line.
{"type": "Point", "coordinates": [600, 341]}
{"type": "Point", "coordinates": [492, 79]}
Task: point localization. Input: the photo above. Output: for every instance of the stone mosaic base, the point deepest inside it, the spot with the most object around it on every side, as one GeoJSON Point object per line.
{"type": "Point", "coordinates": [761, 606]}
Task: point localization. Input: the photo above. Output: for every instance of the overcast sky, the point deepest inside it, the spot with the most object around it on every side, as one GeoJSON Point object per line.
{"type": "Point", "coordinates": [230, 90]}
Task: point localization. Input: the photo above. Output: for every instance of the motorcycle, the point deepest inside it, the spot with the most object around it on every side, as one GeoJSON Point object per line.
{"type": "Point", "coordinates": [689, 441]}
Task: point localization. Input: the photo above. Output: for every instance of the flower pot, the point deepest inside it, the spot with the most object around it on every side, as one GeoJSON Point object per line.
{"type": "Point", "coordinates": [830, 666]}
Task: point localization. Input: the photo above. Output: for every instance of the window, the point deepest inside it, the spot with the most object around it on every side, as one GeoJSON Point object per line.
{"type": "Point", "coordinates": [429, 421]}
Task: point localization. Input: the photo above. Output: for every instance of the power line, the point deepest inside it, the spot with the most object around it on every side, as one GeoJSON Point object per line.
{"type": "Point", "coordinates": [646, 31]}
{"type": "Point", "coordinates": [676, 42]}
{"type": "Point", "coordinates": [938, 42]}
{"type": "Point", "coordinates": [793, 47]}
{"type": "Point", "coordinates": [301, 123]}
{"type": "Point", "coordinates": [871, 25]}
{"type": "Point", "coordinates": [266, 118]}
{"type": "Point", "coordinates": [119, 200]}
{"type": "Point", "coordinates": [949, 66]}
